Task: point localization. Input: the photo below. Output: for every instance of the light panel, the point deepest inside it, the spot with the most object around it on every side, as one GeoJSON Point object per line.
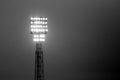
{"type": "Point", "coordinates": [38, 28]}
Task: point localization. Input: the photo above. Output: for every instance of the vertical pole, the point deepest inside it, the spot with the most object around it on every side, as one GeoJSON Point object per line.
{"type": "Point", "coordinates": [39, 64]}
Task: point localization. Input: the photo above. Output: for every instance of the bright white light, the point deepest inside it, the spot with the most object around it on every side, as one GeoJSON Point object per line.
{"type": "Point", "coordinates": [35, 18]}
{"type": "Point", "coordinates": [42, 35]}
{"type": "Point", "coordinates": [33, 26]}
{"type": "Point", "coordinates": [46, 30]}
{"type": "Point", "coordinates": [37, 22]}
{"type": "Point", "coordinates": [38, 28]}
{"type": "Point", "coordinates": [31, 22]}
{"type": "Point", "coordinates": [38, 18]}
{"type": "Point", "coordinates": [31, 18]}
{"type": "Point", "coordinates": [36, 39]}
{"type": "Point", "coordinates": [41, 18]}
{"type": "Point", "coordinates": [42, 40]}
{"type": "Point", "coordinates": [43, 30]}
{"type": "Point", "coordinates": [36, 35]}
{"type": "Point", "coordinates": [45, 18]}
{"type": "Point", "coordinates": [45, 23]}
{"type": "Point", "coordinates": [32, 30]}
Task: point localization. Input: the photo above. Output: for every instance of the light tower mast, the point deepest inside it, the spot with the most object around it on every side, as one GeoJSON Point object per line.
{"type": "Point", "coordinates": [39, 30]}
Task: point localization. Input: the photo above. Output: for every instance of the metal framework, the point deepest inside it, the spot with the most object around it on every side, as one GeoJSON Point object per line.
{"type": "Point", "coordinates": [39, 63]}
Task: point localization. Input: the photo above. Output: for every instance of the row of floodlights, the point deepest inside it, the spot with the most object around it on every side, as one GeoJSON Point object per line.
{"type": "Point", "coordinates": [39, 30]}
{"type": "Point", "coordinates": [38, 40]}
{"type": "Point", "coordinates": [41, 36]}
{"type": "Point", "coordinates": [38, 22]}
{"type": "Point", "coordinates": [38, 18]}
{"type": "Point", "coordinates": [38, 26]}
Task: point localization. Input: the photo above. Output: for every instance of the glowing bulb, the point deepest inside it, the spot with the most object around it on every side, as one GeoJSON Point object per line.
{"type": "Point", "coordinates": [42, 40]}
{"type": "Point", "coordinates": [36, 39]}
{"type": "Point", "coordinates": [41, 18]}
{"type": "Point", "coordinates": [46, 30]}
{"type": "Point", "coordinates": [35, 18]}
{"type": "Point", "coordinates": [32, 30]}
{"type": "Point", "coordinates": [45, 18]}
{"type": "Point", "coordinates": [36, 35]}
{"type": "Point", "coordinates": [31, 22]}
{"type": "Point", "coordinates": [31, 18]}
{"type": "Point", "coordinates": [42, 35]}
{"type": "Point", "coordinates": [37, 22]}
{"type": "Point", "coordinates": [33, 26]}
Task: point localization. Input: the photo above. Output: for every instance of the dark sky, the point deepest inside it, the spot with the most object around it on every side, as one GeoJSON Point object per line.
{"type": "Point", "coordinates": [82, 42]}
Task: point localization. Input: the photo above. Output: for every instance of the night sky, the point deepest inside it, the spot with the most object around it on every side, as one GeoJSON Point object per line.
{"type": "Point", "coordinates": [82, 42]}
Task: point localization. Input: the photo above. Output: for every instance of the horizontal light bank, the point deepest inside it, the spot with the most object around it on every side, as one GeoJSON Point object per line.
{"type": "Point", "coordinates": [38, 22]}
{"type": "Point", "coordinates": [38, 18]}
{"type": "Point", "coordinates": [38, 40]}
{"type": "Point", "coordinates": [39, 30]}
{"type": "Point", "coordinates": [38, 26]}
{"type": "Point", "coordinates": [39, 36]}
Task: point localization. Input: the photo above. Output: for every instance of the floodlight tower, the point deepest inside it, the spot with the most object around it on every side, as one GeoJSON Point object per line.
{"type": "Point", "coordinates": [39, 30]}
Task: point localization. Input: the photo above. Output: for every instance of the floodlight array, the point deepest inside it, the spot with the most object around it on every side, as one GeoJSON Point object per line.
{"type": "Point", "coordinates": [38, 28]}
{"type": "Point", "coordinates": [39, 38]}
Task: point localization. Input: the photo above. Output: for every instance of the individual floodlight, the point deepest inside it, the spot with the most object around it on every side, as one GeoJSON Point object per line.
{"type": "Point", "coordinates": [46, 30]}
{"type": "Point", "coordinates": [45, 18]}
{"type": "Point", "coordinates": [32, 22]}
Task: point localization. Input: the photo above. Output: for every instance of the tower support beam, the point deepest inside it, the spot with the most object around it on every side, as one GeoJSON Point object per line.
{"type": "Point", "coordinates": [39, 64]}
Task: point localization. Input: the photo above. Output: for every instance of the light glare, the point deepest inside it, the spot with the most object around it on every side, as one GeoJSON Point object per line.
{"type": "Point", "coordinates": [36, 35]}
{"type": "Point", "coordinates": [42, 40]}
{"type": "Point", "coordinates": [38, 28]}
{"type": "Point", "coordinates": [42, 35]}
{"type": "Point", "coordinates": [38, 40]}
{"type": "Point", "coordinates": [46, 30]}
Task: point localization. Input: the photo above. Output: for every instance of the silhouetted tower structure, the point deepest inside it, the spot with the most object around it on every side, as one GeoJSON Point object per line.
{"type": "Point", "coordinates": [39, 63]}
{"type": "Point", "coordinates": [39, 30]}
